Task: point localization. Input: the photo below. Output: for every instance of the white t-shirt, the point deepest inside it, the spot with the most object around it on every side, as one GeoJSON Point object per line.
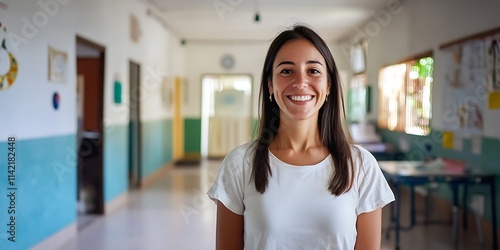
{"type": "Point", "coordinates": [297, 211]}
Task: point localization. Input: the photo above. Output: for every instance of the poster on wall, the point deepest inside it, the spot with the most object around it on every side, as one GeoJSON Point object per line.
{"type": "Point", "coordinates": [8, 62]}
{"type": "Point", "coordinates": [464, 73]}
{"type": "Point", "coordinates": [473, 76]}
{"type": "Point", "coordinates": [58, 61]}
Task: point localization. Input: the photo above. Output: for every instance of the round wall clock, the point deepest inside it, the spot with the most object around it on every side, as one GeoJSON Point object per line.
{"type": "Point", "coordinates": [227, 61]}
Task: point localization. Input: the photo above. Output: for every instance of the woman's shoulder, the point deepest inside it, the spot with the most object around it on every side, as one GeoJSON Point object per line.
{"type": "Point", "coordinates": [240, 154]}
{"type": "Point", "coordinates": [363, 157]}
{"type": "Point", "coordinates": [356, 148]}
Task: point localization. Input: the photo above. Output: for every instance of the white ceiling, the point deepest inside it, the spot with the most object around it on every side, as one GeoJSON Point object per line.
{"type": "Point", "coordinates": [234, 19]}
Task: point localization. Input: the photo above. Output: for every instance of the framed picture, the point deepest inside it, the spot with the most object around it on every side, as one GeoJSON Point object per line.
{"type": "Point", "coordinates": [58, 64]}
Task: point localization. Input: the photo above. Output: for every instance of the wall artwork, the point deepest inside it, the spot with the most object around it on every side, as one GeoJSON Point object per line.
{"type": "Point", "coordinates": [465, 70]}
{"type": "Point", "coordinates": [56, 99]}
{"type": "Point", "coordinates": [471, 86]}
{"type": "Point", "coordinates": [135, 29]}
{"type": "Point", "coordinates": [58, 64]}
{"type": "Point", "coordinates": [8, 62]}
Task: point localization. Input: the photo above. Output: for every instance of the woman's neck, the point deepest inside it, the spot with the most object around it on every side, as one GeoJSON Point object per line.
{"type": "Point", "coordinates": [298, 136]}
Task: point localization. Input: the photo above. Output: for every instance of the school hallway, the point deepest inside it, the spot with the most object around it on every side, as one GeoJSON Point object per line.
{"type": "Point", "coordinates": [101, 100]}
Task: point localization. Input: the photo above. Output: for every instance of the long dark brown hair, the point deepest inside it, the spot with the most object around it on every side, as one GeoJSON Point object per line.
{"type": "Point", "coordinates": [331, 132]}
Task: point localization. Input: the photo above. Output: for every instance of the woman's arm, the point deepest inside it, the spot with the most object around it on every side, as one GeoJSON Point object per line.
{"type": "Point", "coordinates": [369, 227]}
{"type": "Point", "coordinates": [229, 229]}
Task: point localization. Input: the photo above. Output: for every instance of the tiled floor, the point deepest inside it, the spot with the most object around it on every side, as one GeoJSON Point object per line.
{"type": "Point", "coordinates": [175, 213]}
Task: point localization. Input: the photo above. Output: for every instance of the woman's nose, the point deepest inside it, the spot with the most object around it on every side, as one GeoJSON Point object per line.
{"type": "Point", "coordinates": [300, 81]}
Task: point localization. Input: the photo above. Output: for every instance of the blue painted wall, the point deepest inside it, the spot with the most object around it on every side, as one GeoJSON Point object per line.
{"type": "Point", "coordinates": [156, 145]}
{"type": "Point", "coordinates": [116, 161]}
{"type": "Point", "coordinates": [46, 189]}
{"type": "Point", "coordinates": [46, 178]}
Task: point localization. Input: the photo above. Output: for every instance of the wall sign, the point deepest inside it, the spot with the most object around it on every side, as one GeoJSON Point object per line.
{"type": "Point", "coordinates": [117, 92]}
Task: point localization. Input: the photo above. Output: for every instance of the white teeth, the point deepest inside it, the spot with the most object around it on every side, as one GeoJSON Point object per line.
{"type": "Point", "coordinates": [301, 98]}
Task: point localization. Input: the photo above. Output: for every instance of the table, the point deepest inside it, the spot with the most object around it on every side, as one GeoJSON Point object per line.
{"type": "Point", "coordinates": [412, 173]}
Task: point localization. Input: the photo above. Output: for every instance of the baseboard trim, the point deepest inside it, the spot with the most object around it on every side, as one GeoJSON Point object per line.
{"type": "Point", "coordinates": [116, 203]}
{"type": "Point", "coordinates": [58, 239]}
{"type": "Point", "coordinates": [157, 175]}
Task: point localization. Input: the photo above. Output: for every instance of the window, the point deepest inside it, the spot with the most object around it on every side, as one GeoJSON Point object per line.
{"type": "Point", "coordinates": [358, 102]}
{"type": "Point", "coordinates": [357, 98]}
{"type": "Point", "coordinates": [405, 96]}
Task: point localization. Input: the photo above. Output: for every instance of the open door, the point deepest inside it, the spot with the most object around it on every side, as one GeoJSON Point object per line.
{"type": "Point", "coordinates": [90, 134]}
{"type": "Point", "coordinates": [135, 142]}
{"type": "Point", "coordinates": [226, 113]}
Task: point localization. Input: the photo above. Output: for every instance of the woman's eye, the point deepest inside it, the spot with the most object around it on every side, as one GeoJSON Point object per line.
{"type": "Point", "coordinates": [286, 71]}
{"type": "Point", "coordinates": [314, 71]}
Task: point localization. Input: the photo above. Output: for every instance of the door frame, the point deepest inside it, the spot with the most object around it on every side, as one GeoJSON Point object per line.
{"type": "Point", "coordinates": [135, 174]}
{"type": "Point", "coordinates": [100, 202]}
{"type": "Point", "coordinates": [204, 117]}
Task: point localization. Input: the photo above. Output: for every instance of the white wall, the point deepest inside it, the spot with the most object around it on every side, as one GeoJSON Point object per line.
{"type": "Point", "coordinates": [158, 52]}
{"type": "Point", "coordinates": [421, 26]}
{"type": "Point", "coordinates": [205, 59]}
{"type": "Point", "coordinates": [28, 103]}
{"type": "Point", "coordinates": [26, 107]}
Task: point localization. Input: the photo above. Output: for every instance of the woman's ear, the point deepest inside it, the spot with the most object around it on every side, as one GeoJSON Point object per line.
{"type": "Point", "coordinates": [270, 86]}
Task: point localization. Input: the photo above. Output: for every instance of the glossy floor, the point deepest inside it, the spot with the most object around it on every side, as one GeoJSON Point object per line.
{"type": "Point", "coordinates": [174, 213]}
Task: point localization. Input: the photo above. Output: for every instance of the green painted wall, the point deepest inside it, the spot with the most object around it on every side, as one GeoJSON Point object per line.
{"type": "Point", "coordinates": [488, 160]}
{"type": "Point", "coordinates": [192, 135]}
{"type": "Point", "coordinates": [156, 145]}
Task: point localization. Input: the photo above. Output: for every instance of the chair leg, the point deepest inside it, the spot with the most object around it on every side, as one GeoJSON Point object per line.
{"type": "Point", "coordinates": [455, 224]}
{"type": "Point", "coordinates": [479, 228]}
{"type": "Point", "coordinates": [428, 206]}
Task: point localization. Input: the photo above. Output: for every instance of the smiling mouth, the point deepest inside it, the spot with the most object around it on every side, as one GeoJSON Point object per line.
{"type": "Point", "coordinates": [301, 98]}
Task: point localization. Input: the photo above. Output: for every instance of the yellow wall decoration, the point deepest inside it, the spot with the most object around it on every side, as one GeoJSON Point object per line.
{"type": "Point", "coordinates": [448, 139]}
{"type": "Point", "coordinates": [8, 78]}
{"type": "Point", "coordinates": [494, 100]}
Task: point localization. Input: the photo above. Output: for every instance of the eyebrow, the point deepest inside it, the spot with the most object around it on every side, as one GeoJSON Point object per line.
{"type": "Point", "coordinates": [292, 63]}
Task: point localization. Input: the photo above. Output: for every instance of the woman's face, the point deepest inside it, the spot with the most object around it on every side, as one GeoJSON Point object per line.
{"type": "Point", "coordinates": [299, 82]}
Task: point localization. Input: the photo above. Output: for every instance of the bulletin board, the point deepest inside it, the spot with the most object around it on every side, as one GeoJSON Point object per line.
{"type": "Point", "coordinates": [471, 70]}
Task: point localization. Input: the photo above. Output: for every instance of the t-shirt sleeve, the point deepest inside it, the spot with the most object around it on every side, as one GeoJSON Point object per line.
{"type": "Point", "coordinates": [374, 191]}
{"type": "Point", "coordinates": [228, 185]}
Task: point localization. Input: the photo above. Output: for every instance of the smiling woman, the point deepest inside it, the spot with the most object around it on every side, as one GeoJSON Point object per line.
{"type": "Point", "coordinates": [302, 184]}
{"type": "Point", "coordinates": [299, 82]}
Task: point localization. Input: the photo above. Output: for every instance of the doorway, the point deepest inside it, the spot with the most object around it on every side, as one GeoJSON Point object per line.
{"type": "Point", "coordinates": [90, 135]}
{"type": "Point", "coordinates": [134, 170]}
{"type": "Point", "coordinates": [226, 113]}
